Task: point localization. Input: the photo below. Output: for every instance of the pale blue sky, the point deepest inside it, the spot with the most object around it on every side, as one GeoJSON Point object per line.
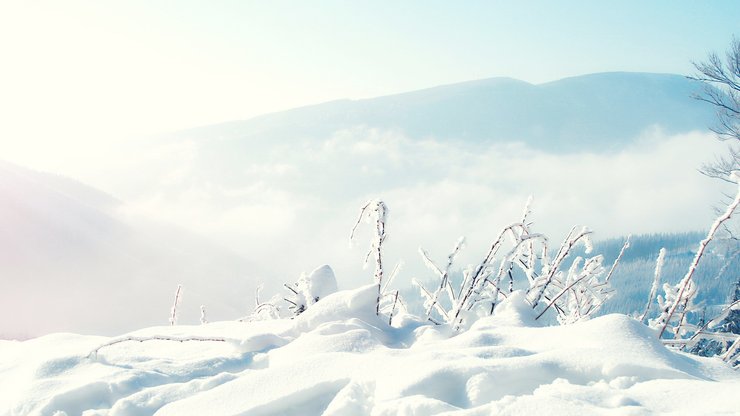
{"type": "Point", "coordinates": [74, 69]}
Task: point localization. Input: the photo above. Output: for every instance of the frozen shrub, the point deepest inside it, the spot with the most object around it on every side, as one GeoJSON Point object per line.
{"type": "Point", "coordinates": [310, 288]}
{"type": "Point", "coordinates": [574, 294]}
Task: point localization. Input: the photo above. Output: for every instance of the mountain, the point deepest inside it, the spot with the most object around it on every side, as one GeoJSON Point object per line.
{"type": "Point", "coordinates": [595, 112]}
{"type": "Point", "coordinates": [72, 260]}
{"type": "Point", "coordinates": [288, 184]}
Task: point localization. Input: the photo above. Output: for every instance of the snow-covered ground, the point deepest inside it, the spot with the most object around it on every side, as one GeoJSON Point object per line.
{"type": "Point", "coordinates": [339, 358]}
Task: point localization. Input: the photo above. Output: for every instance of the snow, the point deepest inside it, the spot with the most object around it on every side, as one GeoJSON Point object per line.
{"type": "Point", "coordinates": [339, 358]}
{"type": "Point", "coordinates": [316, 285]}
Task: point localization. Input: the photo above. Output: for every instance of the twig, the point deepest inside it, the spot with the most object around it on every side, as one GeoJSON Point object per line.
{"type": "Point", "coordinates": [173, 311]}
{"type": "Point", "coordinates": [556, 297]}
{"type": "Point", "coordinates": [155, 338]}
{"type": "Point", "coordinates": [563, 252]}
{"type": "Point", "coordinates": [203, 319]}
{"type": "Point", "coordinates": [376, 246]}
{"type": "Point", "coordinates": [619, 257]}
{"type": "Point", "coordinates": [393, 309]}
{"type": "Point", "coordinates": [656, 282]}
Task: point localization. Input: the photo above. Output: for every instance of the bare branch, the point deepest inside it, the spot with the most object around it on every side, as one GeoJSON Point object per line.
{"type": "Point", "coordinates": [722, 91]}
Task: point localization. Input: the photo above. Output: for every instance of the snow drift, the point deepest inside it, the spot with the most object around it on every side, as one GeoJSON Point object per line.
{"type": "Point", "coordinates": [339, 358]}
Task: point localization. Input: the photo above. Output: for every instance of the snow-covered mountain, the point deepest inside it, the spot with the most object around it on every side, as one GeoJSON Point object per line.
{"type": "Point", "coordinates": [70, 259]}
{"type": "Point", "coordinates": [595, 112]}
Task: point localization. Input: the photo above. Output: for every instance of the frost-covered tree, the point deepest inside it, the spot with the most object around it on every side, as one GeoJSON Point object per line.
{"type": "Point", "coordinates": [722, 79]}
{"type": "Point", "coordinates": [678, 300]}
{"type": "Point", "coordinates": [722, 332]}
{"type": "Point", "coordinates": [707, 337]}
{"type": "Point", "coordinates": [716, 337]}
{"type": "Point", "coordinates": [732, 322]}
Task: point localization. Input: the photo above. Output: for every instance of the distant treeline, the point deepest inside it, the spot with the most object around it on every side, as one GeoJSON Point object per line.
{"type": "Point", "coordinates": [633, 278]}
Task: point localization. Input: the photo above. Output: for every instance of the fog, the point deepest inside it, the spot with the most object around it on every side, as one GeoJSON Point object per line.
{"type": "Point", "coordinates": [299, 203]}
{"type": "Point", "coordinates": [172, 214]}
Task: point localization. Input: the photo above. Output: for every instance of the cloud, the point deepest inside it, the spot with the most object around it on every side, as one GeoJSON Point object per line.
{"type": "Point", "coordinates": [292, 209]}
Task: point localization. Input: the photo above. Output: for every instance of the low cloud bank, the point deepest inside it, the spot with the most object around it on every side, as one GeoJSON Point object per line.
{"type": "Point", "coordinates": [290, 207]}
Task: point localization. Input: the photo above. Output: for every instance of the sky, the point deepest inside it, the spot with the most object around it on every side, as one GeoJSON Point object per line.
{"type": "Point", "coordinates": [86, 75]}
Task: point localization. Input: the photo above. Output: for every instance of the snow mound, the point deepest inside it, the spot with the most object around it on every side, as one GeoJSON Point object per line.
{"type": "Point", "coordinates": [312, 287]}
{"type": "Point", "coordinates": [339, 358]}
{"type": "Point", "coordinates": [321, 282]}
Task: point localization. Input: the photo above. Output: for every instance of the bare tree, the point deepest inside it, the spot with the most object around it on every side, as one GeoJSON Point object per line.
{"type": "Point", "coordinates": [722, 90]}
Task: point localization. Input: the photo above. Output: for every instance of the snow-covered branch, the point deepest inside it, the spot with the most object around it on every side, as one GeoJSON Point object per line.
{"type": "Point", "coordinates": [686, 289]}
{"type": "Point", "coordinates": [374, 211]}
{"type": "Point", "coordinates": [94, 352]}
{"type": "Point", "coordinates": [656, 282]}
{"type": "Point", "coordinates": [175, 305]}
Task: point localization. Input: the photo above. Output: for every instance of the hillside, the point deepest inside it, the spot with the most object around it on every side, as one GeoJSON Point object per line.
{"type": "Point", "coordinates": [72, 261]}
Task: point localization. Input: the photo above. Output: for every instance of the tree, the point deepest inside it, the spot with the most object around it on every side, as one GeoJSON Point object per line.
{"type": "Point", "coordinates": [722, 90]}
{"type": "Point", "coordinates": [731, 323]}
{"type": "Point", "coordinates": [728, 322]}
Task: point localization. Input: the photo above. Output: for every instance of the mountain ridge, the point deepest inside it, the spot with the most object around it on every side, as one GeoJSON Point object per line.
{"type": "Point", "coordinates": [590, 112]}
